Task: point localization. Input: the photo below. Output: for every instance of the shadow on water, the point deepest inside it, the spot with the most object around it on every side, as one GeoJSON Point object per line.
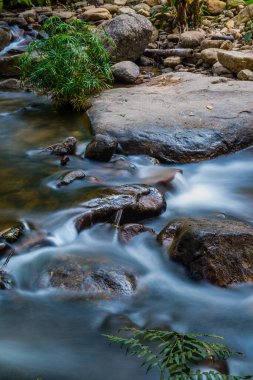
{"type": "Point", "coordinates": [56, 334]}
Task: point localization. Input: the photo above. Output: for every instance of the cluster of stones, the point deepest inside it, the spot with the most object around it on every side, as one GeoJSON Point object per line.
{"type": "Point", "coordinates": [217, 48]}
{"type": "Point", "coordinates": [218, 249]}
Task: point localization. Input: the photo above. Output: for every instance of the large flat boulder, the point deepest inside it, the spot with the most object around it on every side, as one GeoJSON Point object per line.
{"type": "Point", "coordinates": [213, 249]}
{"type": "Point", "coordinates": [180, 117]}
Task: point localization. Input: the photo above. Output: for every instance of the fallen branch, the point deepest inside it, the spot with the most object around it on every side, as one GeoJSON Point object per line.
{"type": "Point", "coordinates": [184, 53]}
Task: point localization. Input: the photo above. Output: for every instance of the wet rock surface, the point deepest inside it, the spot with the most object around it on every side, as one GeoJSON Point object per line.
{"type": "Point", "coordinates": [213, 249]}
{"type": "Point", "coordinates": [68, 146]}
{"type": "Point", "coordinates": [5, 38]}
{"type": "Point", "coordinates": [7, 281]}
{"type": "Point", "coordinates": [92, 278]}
{"type": "Point", "coordinates": [101, 148]}
{"type": "Point", "coordinates": [13, 234]}
{"type": "Point", "coordinates": [137, 202]}
{"type": "Point", "coordinates": [129, 231]}
{"type": "Point", "coordinates": [211, 116]}
{"type": "Point", "coordinates": [9, 66]}
{"type": "Point", "coordinates": [70, 177]}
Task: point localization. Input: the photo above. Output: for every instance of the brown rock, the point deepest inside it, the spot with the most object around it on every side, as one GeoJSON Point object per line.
{"type": "Point", "coordinates": [70, 177]}
{"type": "Point", "coordinates": [227, 45]}
{"type": "Point", "coordinates": [191, 39]}
{"type": "Point", "coordinates": [217, 250]}
{"type": "Point", "coordinates": [126, 11]}
{"type": "Point", "coordinates": [129, 231]}
{"type": "Point", "coordinates": [9, 66]}
{"type": "Point", "coordinates": [236, 61]}
{"type": "Point", "coordinates": [97, 14]}
{"type": "Point", "coordinates": [112, 8]}
{"type": "Point", "coordinates": [216, 7]}
{"type": "Point", "coordinates": [12, 84]}
{"type": "Point", "coordinates": [86, 276]}
{"type": "Point", "coordinates": [210, 56]}
{"type": "Point", "coordinates": [5, 38]}
{"type": "Point", "coordinates": [137, 202]}
{"type": "Point", "coordinates": [64, 15]}
{"type": "Point", "coordinates": [101, 148]}
{"type": "Point", "coordinates": [244, 16]}
{"type": "Point", "coordinates": [172, 61]}
{"type": "Point", "coordinates": [214, 44]}
{"type": "Point", "coordinates": [245, 75]}
{"type": "Point", "coordinates": [68, 146]}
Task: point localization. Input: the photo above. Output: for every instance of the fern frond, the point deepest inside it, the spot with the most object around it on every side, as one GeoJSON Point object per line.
{"type": "Point", "coordinates": [175, 354]}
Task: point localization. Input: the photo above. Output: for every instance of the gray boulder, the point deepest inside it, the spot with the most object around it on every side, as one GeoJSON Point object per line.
{"type": "Point", "coordinates": [131, 34]}
{"type": "Point", "coordinates": [179, 117]}
{"type": "Point", "coordinates": [125, 72]}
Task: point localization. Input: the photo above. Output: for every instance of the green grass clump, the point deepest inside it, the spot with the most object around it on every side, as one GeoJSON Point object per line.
{"type": "Point", "coordinates": [69, 65]}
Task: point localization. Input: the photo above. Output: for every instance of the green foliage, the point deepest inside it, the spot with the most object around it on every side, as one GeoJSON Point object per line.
{"type": "Point", "coordinates": [185, 12]}
{"type": "Point", "coordinates": [26, 3]}
{"type": "Point", "coordinates": [69, 66]}
{"type": "Point", "coordinates": [175, 354]}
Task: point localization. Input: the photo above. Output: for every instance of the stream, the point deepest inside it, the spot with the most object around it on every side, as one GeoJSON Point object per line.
{"type": "Point", "coordinates": [53, 335]}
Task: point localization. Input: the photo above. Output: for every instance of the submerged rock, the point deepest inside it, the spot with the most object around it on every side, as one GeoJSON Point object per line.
{"type": "Point", "coordinates": [131, 34]}
{"type": "Point", "coordinates": [68, 146]}
{"type": "Point", "coordinates": [71, 177]}
{"type": "Point", "coordinates": [92, 278]}
{"type": "Point", "coordinates": [101, 148]}
{"type": "Point", "coordinates": [217, 250]}
{"type": "Point", "coordinates": [129, 231]}
{"type": "Point", "coordinates": [7, 282]}
{"type": "Point", "coordinates": [184, 117]}
{"type": "Point", "coordinates": [136, 202]}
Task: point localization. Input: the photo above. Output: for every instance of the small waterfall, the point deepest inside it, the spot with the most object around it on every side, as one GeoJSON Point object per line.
{"type": "Point", "coordinates": [116, 223]}
{"type": "Point", "coordinates": [180, 183]}
{"type": "Point", "coordinates": [64, 234]}
{"type": "Point", "coordinates": [19, 41]}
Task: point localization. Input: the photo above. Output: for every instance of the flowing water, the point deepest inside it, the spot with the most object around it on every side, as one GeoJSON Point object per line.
{"type": "Point", "coordinates": [54, 335]}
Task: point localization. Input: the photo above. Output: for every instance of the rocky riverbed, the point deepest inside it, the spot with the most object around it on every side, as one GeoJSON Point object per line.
{"type": "Point", "coordinates": [138, 213]}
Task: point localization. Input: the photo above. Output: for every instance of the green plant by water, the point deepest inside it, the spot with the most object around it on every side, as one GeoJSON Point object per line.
{"type": "Point", "coordinates": [69, 65]}
{"type": "Point", "coordinates": [176, 355]}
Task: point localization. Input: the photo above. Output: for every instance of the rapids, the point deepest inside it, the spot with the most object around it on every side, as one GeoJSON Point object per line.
{"type": "Point", "coordinates": [55, 335]}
